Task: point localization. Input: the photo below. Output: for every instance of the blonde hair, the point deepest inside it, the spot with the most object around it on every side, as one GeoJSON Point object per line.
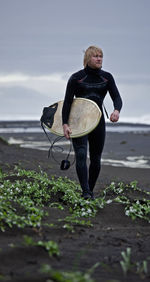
{"type": "Point", "coordinates": [90, 51]}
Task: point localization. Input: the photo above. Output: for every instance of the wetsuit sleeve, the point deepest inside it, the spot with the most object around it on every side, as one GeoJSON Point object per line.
{"type": "Point", "coordinates": [70, 92]}
{"type": "Point", "coordinates": [114, 93]}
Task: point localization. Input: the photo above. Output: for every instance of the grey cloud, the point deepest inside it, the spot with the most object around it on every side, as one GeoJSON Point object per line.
{"type": "Point", "coordinates": [44, 37]}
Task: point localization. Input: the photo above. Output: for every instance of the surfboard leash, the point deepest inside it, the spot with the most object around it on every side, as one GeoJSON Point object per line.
{"type": "Point", "coordinates": [105, 111]}
{"type": "Point", "coordinates": [65, 164]}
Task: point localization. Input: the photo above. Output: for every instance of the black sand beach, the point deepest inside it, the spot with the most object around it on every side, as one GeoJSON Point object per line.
{"type": "Point", "coordinates": [112, 231]}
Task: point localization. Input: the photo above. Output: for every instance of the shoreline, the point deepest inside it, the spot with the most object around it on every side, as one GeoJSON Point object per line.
{"type": "Point", "coordinates": [37, 121]}
{"type": "Point", "coordinates": [32, 159]}
{"type": "Point", "coordinates": [126, 155]}
{"type": "Point", "coordinates": [122, 149]}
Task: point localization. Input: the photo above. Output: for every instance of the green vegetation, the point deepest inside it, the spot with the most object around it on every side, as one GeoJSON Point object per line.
{"type": "Point", "coordinates": [3, 141]}
{"type": "Point", "coordinates": [127, 265]}
{"type": "Point", "coordinates": [22, 199]}
{"type": "Point", "coordinates": [126, 262]}
{"type": "Point", "coordinates": [69, 276]}
{"type": "Point", "coordinates": [49, 246]}
{"type": "Point", "coordinates": [134, 207]}
{"type": "Point", "coordinates": [25, 194]}
{"type": "Point", "coordinates": [28, 197]}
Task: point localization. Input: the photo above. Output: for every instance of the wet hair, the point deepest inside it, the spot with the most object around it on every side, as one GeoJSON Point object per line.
{"type": "Point", "coordinates": [90, 51]}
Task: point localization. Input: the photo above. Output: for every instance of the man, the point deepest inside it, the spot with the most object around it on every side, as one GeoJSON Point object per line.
{"type": "Point", "coordinates": [92, 83]}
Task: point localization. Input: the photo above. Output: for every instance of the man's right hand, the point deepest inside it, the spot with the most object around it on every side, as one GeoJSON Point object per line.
{"type": "Point", "coordinates": [67, 130]}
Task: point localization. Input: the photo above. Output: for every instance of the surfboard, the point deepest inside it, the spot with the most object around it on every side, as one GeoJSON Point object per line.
{"type": "Point", "coordinates": [84, 117]}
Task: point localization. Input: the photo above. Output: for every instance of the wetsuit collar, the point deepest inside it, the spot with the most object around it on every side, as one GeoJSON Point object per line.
{"type": "Point", "coordinates": [89, 70]}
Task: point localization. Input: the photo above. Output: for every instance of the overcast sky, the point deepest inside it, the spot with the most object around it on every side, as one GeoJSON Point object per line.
{"type": "Point", "coordinates": [42, 44]}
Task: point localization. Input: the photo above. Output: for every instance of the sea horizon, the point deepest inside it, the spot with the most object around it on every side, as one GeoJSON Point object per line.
{"type": "Point", "coordinates": [34, 126]}
{"type": "Point", "coordinates": [123, 121]}
{"type": "Point", "coordinates": [35, 118]}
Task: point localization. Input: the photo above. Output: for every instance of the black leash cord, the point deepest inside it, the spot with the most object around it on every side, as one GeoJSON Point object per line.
{"type": "Point", "coordinates": [106, 112]}
{"type": "Point", "coordinates": [53, 146]}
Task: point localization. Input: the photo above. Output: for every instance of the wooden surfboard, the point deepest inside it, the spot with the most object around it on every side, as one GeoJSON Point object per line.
{"type": "Point", "coordinates": [84, 117]}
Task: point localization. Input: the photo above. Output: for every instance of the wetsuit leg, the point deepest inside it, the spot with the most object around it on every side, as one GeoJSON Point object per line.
{"type": "Point", "coordinates": [80, 148]}
{"type": "Point", "coordinates": [96, 143]}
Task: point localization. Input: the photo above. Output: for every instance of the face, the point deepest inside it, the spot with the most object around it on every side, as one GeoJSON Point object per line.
{"type": "Point", "coordinates": [95, 61]}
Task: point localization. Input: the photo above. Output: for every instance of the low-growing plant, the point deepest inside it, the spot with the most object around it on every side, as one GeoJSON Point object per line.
{"type": "Point", "coordinates": [69, 227]}
{"type": "Point", "coordinates": [78, 206]}
{"type": "Point", "coordinates": [126, 264]}
{"type": "Point", "coordinates": [69, 276]}
{"type": "Point", "coordinates": [140, 268]}
{"type": "Point", "coordinates": [56, 205]}
{"type": "Point", "coordinates": [138, 209]}
{"type": "Point", "coordinates": [29, 191]}
{"type": "Point", "coordinates": [25, 193]}
{"type": "Point", "coordinates": [134, 208]}
{"type": "Point", "coordinates": [50, 246]}
{"type": "Point", "coordinates": [74, 220]}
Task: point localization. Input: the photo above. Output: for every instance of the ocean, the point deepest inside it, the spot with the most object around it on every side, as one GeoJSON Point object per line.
{"type": "Point", "coordinates": [127, 144]}
{"type": "Point", "coordinates": [33, 126]}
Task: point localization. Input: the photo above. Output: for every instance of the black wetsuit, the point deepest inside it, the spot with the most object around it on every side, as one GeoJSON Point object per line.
{"type": "Point", "coordinates": [92, 84]}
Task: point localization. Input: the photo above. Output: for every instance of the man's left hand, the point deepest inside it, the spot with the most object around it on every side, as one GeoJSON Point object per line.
{"type": "Point", "coordinates": [114, 116]}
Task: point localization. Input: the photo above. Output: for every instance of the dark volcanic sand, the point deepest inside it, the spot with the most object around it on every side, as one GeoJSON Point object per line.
{"type": "Point", "coordinates": [111, 234]}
